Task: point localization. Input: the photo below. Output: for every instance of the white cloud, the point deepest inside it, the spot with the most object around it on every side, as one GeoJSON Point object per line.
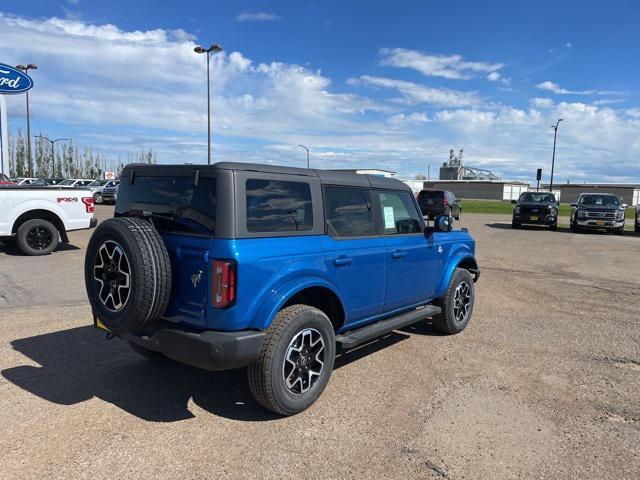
{"type": "Point", "coordinates": [541, 102]}
{"type": "Point", "coordinates": [414, 93]}
{"type": "Point", "coordinates": [555, 88]}
{"type": "Point", "coordinates": [446, 66]}
{"type": "Point", "coordinates": [567, 45]}
{"type": "Point", "coordinates": [257, 17]}
{"type": "Point", "coordinates": [402, 119]}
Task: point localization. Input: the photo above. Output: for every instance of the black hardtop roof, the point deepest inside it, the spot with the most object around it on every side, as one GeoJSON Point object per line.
{"type": "Point", "coordinates": [331, 177]}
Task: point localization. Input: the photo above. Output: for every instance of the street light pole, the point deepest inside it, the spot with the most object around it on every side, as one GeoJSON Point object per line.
{"type": "Point", "coordinates": [53, 152]}
{"type": "Point", "coordinates": [307, 154]}
{"type": "Point", "coordinates": [553, 157]}
{"type": "Point", "coordinates": [25, 69]}
{"type": "Point", "coordinates": [213, 48]}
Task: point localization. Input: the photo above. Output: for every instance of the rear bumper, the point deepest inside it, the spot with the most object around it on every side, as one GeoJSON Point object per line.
{"type": "Point", "coordinates": [210, 350]}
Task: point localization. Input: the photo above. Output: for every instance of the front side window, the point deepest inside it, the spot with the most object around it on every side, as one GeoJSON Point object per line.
{"type": "Point", "coordinates": [278, 206]}
{"type": "Point", "coordinates": [349, 212]}
{"type": "Point", "coordinates": [399, 214]}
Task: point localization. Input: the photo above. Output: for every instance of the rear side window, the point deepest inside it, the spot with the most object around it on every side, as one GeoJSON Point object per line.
{"type": "Point", "coordinates": [399, 214]}
{"type": "Point", "coordinates": [278, 206]}
{"type": "Point", "coordinates": [348, 212]}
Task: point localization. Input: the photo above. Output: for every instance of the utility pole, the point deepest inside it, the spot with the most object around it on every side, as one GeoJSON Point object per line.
{"type": "Point", "coordinates": [553, 157]}
{"type": "Point", "coordinates": [213, 48]}
{"type": "Point", "coordinates": [307, 154]}
{"type": "Point", "coordinates": [25, 69]}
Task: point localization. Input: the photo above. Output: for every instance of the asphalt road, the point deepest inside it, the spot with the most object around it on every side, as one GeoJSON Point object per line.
{"type": "Point", "coordinates": [544, 383]}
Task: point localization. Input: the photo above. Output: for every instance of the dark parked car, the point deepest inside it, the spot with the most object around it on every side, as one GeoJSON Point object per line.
{"type": "Point", "coordinates": [636, 224]}
{"type": "Point", "coordinates": [439, 202]}
{"type": "Point", "coordinates": [598, 211]}
{"type": "Point", "coordinates": [535, 208]}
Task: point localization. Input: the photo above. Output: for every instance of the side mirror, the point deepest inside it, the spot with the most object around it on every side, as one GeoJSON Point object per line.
{"type": "Point", "coordinates": [624, 206]}
{"type": "Point", "coordinates": [574, 205]}
{"type": "Point", "coordinates": [514, 202]}
{"type": "Point", "coordinates": [443, 223]}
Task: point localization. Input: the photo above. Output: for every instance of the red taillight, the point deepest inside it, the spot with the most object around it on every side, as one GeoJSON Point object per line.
{"type": "Point", "coordinates": [88, 204]}
{"type": "Point", "coordinates": [445, 204]}
{"type": "Point", "coordinates": [224, 283]}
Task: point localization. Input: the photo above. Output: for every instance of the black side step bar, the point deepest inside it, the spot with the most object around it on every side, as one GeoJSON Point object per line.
{"type": "Point", "coordinates": [356, 337]}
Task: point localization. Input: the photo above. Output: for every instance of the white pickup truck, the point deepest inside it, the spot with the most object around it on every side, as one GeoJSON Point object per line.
{"type": "Point", "coordinates": [38, 218]}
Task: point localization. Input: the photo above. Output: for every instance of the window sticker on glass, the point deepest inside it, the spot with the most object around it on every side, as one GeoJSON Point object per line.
{"type": "Point", "coordinates": [389, 219]}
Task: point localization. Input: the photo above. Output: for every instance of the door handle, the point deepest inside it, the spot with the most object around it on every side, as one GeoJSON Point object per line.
{"type": "Point", "coordinates": [342, 261]}
{"type": "Point", "coordinates": [398, 254]}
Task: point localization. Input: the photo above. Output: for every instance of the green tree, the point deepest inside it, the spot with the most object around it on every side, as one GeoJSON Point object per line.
{"type": "Point", "coordinates": [20, 156]}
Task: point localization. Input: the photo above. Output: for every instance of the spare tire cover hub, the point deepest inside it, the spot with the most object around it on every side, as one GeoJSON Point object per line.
{"type": "Point", "coordinates": [112, 271]}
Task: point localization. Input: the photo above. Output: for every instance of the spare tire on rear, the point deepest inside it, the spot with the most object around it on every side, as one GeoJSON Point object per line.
{"type": "Point", "coordinates": [127, 274]}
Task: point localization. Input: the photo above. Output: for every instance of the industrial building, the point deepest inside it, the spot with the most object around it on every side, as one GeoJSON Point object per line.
{"type": "Point", "coordinates": [480, 189]}
{"type": "Point", "coordinates": [569, 192]}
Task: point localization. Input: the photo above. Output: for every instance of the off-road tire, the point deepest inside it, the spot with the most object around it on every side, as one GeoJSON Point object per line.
{"type": "Point", "coordinates": [446, 321]}
{"type": "Point", "coordinates": [146, 353]}
{"type": "Point", "coordinates": [619, 231]}
{"type": "Point", "coordinates": [37, 226]}
{"type": "Point", "coordinates": [266, 379]}
{"type": "Point", "coordinates": [150, 273]}
{"type": "Point", "coordinates": [515, 225]}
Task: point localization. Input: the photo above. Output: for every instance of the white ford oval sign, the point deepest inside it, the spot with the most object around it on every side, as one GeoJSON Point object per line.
{"type": "Point", "coordinates": [13, 80]}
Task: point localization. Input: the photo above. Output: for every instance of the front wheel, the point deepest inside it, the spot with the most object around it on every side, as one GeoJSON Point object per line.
{"type": "Point", "coordinates": [457, 304]}
{"type": "Point", "coordinates": [295, 362]}
{"type": "Point", "coordinates": [515, 224]}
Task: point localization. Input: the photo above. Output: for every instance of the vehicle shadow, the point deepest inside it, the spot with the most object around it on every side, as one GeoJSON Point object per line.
{"type": "Point", "coordinates": [10, 248]}
{"type": "Point", "coordinates": [535, 228]}
{"type": "Point", "coordinates": [78, 364]}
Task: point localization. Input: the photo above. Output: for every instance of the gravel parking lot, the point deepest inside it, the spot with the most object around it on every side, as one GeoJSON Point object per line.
{"type": "Point", "coordinates": [545, 382]}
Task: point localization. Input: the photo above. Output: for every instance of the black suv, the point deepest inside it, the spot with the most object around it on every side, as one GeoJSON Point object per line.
{"type": "Point", "coordinates": [535, 208]}
{"type": "Point", "coordinates": [439, 202]}
{"type": "Point", "coordinates": [598, 211]}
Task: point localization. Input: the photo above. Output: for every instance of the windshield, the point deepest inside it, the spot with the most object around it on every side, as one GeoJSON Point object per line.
{"type": "Point", "coordinates": [174, 203]}
{"type": "Point", "coordinates": [98, 183]}
{"type": "Point", "coordinates": [430, 198]}
{"type": "Point", "coordinates": [599, 200]}
{"type": "Point", "coordinates": [537, 197]}
{"type": "Point", "coordinates": [67, 182]}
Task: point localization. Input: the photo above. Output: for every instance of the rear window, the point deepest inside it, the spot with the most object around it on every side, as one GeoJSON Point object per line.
{"type": "Point", "coordinates": [430, 198]}
{"type": "Point", "coordinates": [174, 203]}
{"type": "Point", "coordinates": [349, 212]}
{"type": "Point", "coordinates": [278, 206]}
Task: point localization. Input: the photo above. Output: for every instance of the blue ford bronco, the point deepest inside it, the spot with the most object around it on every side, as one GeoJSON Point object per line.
{"type": "Point", "coordinates": [272, 268]}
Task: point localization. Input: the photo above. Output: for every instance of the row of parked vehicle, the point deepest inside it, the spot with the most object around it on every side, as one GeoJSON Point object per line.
{"type": "Point", "coordinates": [103, 191]}
{"type": "Point", "coordinates": [592, 211]}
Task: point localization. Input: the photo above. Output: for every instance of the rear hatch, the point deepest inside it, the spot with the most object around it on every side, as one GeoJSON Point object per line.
{"type": "Point", "coordinates": [182, 208]}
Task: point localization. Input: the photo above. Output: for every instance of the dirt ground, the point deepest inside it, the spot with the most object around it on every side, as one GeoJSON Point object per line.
{"type": "Point", "coordinates": [544, 383]}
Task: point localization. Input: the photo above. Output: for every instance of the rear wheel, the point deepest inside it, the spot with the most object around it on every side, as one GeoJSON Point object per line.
{"type": "Point", "coordinates": [37, 237]}
{"type": "Point", "coordinates": [457, 304]}
{"type": "Point", "coordinates": [296, 360]}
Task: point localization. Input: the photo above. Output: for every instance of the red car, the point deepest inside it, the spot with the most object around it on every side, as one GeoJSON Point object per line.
{"type": "Point", "coordinates": [4, 180]}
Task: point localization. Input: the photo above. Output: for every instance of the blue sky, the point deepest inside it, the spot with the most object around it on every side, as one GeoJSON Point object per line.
{"type": "Point", "coordinates": [386, 84]}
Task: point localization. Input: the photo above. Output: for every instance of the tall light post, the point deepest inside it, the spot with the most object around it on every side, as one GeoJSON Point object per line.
{"type": "Point", "coordinates": [25, 69]}
{"type": "Point", "coordinates": [553, 157]}
{"type": "Point", "coordinates": [307, 154]}
{"type": "Point", "coordinates": [53, 152]}
{"type": "Point", "coordinates": [213, 48]}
